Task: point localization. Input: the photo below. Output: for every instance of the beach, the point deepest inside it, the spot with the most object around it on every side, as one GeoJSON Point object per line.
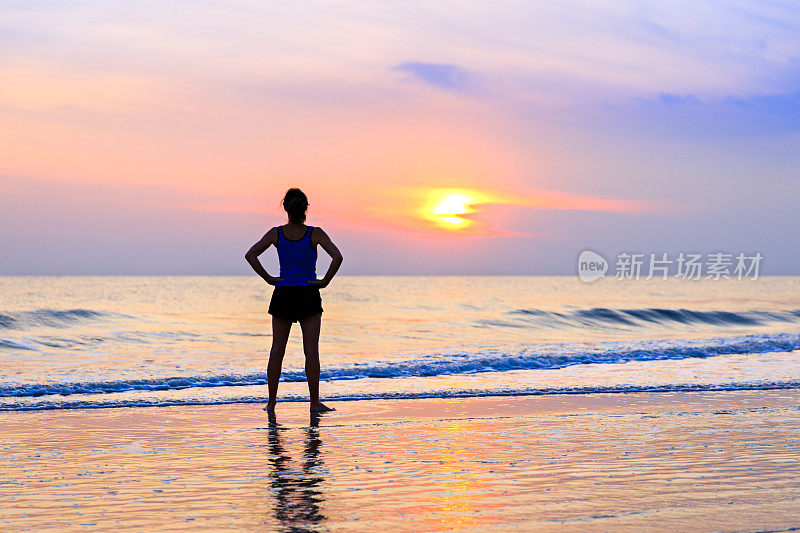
{"type": "Point", "coordinates": [702, 461]}
{"type": "Point", "coordinates": [463, 403]}
{"type": "Point", "coordinates": [540, 258]}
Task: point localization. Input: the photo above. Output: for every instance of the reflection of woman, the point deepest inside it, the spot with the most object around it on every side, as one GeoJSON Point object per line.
{"type": "Point", "coordinates": [297, 494]}
{"type": "Point", "coordinates": [296, 295]}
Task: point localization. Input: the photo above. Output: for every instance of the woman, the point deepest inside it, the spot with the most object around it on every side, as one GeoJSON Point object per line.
{"type": "Point", "coordinates": [296, 295]}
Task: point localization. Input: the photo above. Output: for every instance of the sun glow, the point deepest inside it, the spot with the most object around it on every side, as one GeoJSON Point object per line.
{"type": "Point", "coordinates": [482, 212]}
{"type": "Point", "coordinates": [449, 208]}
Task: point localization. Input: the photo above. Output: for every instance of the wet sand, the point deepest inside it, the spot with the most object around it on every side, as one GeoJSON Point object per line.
{"type": "Point", "coordinates": [702, 461]}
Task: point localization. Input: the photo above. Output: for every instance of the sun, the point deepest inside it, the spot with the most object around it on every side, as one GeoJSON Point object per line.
{"type": "Point", "coordinates": [448, 208]}
{"type": "Point", "coordinates": [451, 207]}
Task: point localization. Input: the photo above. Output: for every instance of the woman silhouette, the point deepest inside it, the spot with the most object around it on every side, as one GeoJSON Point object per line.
{"type": "Point", "coordinates": [296, 295]}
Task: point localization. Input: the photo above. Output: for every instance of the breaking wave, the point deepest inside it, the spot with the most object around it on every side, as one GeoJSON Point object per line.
{"type": "Point", "coordinates": [542, 357]}
{"type": "Point", "coordinates": [600, 316]}
{"type": "Point", "coordinates": [57, 318]}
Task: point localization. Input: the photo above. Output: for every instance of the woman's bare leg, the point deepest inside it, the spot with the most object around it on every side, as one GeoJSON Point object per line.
{"type": "Point", "coordinates": [311, 326]}
{"type": "Point", "coordinates": [280, 336]}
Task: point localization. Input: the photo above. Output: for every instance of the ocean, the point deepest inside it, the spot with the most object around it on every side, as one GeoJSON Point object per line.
{"type": "Point", "coordinates": [79, 342]}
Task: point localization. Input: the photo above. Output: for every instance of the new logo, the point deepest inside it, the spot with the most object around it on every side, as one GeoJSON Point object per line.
{"type": "Point", "coordinates": [591, 266]}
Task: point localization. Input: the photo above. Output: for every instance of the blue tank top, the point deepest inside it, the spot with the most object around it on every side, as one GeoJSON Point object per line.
{"type": "Point", "coordinates": [298, 259]}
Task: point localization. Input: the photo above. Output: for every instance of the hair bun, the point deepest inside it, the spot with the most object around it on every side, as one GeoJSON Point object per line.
{"type": "Point", "coordinates": [295, 204]}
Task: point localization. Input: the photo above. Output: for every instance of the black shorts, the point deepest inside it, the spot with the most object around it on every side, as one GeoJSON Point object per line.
{"type": "Point", "coordinates": [295, 303]}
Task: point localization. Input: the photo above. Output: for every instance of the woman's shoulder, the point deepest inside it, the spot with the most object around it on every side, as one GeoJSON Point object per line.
{"type": "Point", "coordinates": [318, 235]}
{"type": "Point", "coordinates": [273, 233]}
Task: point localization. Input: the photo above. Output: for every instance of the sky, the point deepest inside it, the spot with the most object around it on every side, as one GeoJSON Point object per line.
{"type": "Point", "coordinates": [431, 137]}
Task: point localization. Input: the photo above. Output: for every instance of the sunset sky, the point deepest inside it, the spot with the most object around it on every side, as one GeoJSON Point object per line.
{"type": "Point", "coordinates": [431, 137]}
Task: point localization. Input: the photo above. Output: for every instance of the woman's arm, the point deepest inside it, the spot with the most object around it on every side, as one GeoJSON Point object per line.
{"type": "Point", "coordinates": [336, 256]}
{"type": "Point", "coordinates": [270, 238]}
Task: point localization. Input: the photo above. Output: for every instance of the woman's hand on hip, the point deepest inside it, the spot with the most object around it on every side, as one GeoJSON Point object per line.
{"type": "Point", "coordinates": [321, 283]}
{"type": "Point", "coordinates": [272, 280]}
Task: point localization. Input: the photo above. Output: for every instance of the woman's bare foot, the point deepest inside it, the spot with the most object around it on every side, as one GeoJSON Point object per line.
{"type": "Point", "coordinates": [319, 407]}
{"type": "Point", "coordinates": [270, 407]}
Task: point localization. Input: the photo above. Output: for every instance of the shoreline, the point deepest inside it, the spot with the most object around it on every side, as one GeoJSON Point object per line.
{"type": "Point", "coordinates": [575, 391]}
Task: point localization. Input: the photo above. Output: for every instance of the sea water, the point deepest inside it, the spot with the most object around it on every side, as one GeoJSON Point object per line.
{"type": "Point", "coordinates": [107, 341]}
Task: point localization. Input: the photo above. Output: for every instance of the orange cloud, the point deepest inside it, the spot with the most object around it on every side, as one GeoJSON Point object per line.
{"type": "Point", "coordinates": [459, 211]}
